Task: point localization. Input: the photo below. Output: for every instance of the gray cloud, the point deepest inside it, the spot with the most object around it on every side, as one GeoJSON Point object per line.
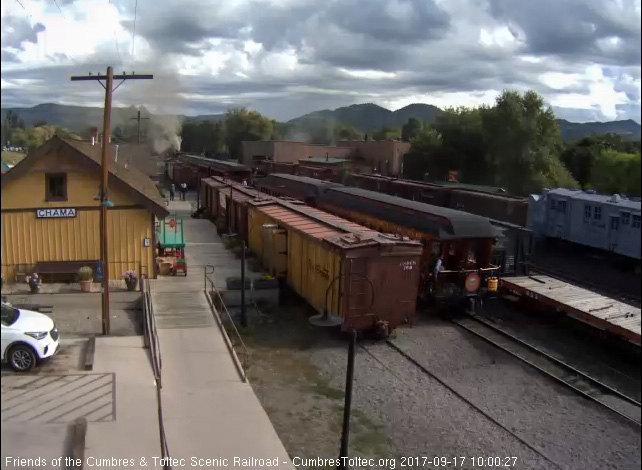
{"type": "Point", "coordinates": [431, 46]}
{"type": "Point", "coordinates": [18, 30]}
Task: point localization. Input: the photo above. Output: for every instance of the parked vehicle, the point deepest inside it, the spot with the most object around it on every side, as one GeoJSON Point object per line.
{"type": "Point", "coordinates": [27, 338]}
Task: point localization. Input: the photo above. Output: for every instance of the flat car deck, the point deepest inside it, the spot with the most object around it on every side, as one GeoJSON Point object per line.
{"type": "Point", "coordinates": [602, 312]}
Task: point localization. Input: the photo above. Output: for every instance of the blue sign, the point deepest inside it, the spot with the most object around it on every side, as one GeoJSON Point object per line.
{"type": "Point", "coordinates": [99, 271]}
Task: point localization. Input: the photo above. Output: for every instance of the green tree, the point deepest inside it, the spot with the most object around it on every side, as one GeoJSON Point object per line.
{"type": "Point", "coordinates": [427, 157]}
{"type": "Point", "coordinates": [347, 132]}
{"type": "Point", "coordinates": [523, 142]}
{"type": "Point", "coordinates": [462, 135]}
{"type": "Point", "coordinates": [204, 137]}
{"type": "Point", "coordinates": [39, 123]}
{"type": "Point", "coordinates": [241, 124]}
{"type": "Point", "coordinates": [386, 133]}
{"type": "Point", "coordinates": [616, 172]}
{"type": "Point", "coordinates": [410, 129]}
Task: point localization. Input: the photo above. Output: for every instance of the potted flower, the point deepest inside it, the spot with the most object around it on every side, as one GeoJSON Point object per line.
{"type": "Point", "coordinates": [130, 280]}
{"type": "Point", "coordinates": [34, 283]}
{"type": "Point", "coordinates": [85, 277]}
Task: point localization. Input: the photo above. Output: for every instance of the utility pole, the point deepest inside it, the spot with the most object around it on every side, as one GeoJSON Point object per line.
{"type": "Point", "coordinates": [109, 78]}
{"type": "Point", "coordinates": [139, 119]}
{"type": "Point", "coordinates": [347, 406]}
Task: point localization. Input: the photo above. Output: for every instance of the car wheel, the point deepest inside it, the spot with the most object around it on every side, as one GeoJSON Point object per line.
{"type": "Point", "coordinates": [22, 358]}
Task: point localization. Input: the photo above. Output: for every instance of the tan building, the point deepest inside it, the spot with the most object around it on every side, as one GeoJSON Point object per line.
{"type": "Point", "coordinates": [284, 151]}
{"type": "Point", "coordinates": [51, 218]}
{"type": "Point", "coordinates": [386, 156]}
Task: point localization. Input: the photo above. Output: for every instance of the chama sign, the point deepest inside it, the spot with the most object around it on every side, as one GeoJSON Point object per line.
{"type": "Point", "coordinates": [58, 213]}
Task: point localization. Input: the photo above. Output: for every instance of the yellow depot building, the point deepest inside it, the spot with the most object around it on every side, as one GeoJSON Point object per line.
{"type": "Point", "coordinates": [51, 215]}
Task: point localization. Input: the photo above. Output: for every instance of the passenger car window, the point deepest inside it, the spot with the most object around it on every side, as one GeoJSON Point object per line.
{"type": "Point", "coordinates": [626, 217]}
{"type": "Point", "coordinates": [587, 211]}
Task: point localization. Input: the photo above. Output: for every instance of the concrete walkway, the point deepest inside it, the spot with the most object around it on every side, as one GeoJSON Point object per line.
{"type": "Point", "coordinates": [208, 411]}
{"type": "Point", "coordinates": [131, 431]}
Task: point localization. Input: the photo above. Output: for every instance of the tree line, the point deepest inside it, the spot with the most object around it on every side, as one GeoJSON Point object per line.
{"type": "Point", "coordinates": [239, 124]}
{"type": "Point", "coordinates": [16, 134]}
{"type": "Point", "coordinates": [516, 144]}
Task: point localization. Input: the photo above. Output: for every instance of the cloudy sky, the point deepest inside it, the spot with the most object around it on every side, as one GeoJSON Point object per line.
{"type": "Point", "coordinates": [289, 57]}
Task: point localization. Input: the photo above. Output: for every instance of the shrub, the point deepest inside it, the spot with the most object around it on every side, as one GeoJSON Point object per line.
{"type": "Point", "coordinates": [85, 274]}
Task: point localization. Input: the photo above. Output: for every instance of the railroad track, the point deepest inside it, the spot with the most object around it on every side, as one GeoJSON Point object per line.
{"type": "Point", "coordinates": [392, 345]}
{"type": "Point", "coordinates": [567, 375]}
{"type": "Point", "coordinates": [562, 276]}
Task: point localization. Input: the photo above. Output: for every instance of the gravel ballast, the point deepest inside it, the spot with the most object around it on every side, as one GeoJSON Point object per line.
{"type": "Point", "coordinates": [568, 429]}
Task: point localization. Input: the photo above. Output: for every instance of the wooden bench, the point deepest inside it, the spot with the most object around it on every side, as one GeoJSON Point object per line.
{"type": "Point", "coordinates": [62, 270]}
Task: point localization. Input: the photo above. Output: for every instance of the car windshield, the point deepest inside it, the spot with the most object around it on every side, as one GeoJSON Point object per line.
{"type": "Point", "coordinates": [10, 315]}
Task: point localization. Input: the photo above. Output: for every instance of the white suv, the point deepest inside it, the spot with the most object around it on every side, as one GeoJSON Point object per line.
{"type": "Point", "coordinates": [27, 337]}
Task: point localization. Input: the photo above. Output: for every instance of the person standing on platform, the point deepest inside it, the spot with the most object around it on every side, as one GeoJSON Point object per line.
{"type": "Point", "coordinates": [172, 192]}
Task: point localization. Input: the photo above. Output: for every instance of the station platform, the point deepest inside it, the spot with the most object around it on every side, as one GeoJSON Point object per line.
{"type": "Point", "coordinates": [617, 318]}
{"type": "Point", "coordinates": [209, 412]}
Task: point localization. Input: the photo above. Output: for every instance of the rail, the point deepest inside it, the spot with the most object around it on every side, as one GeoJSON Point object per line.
{"type": "Point", "coordinates": [225, 321]}
{"type": "Point", "coordinates": [565, 374]}
{"type": "Point", "coordinates": [150, 334]}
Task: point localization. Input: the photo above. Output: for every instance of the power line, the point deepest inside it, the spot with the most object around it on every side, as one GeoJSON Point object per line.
{"type": "Point", "coordinates": [23, 7]}
{"type": "Point", "coordinates": [57, 6]}
{"type": "Point", "coordinates": [134, 35]}
{"type": "Point", "coordinates": [120, 60]}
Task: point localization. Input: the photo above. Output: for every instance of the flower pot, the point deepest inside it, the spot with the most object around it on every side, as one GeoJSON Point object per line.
{"type": "Point", "coordinates": [85, 286]}
{"type": "Point", "coordinates": [35, 288]}
{"type": "Point", "coordinates": [131, 285]}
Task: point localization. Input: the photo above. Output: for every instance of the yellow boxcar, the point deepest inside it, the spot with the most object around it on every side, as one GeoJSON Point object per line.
{"type": "Point", "coordinates": [368, 279]}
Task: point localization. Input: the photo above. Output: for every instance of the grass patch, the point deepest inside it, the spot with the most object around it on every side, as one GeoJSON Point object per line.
{"type": "Point", "coordinates": [370, 442]}
{"type": "Point", "coordinates": [321, 386]}
{"type": "Point", "coordinates": [365, 437]}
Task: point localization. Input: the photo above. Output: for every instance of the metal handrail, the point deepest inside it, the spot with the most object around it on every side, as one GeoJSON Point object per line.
{"type": "Point", "coordinates": [236, 347]}
{"type": "Point", "coordinates": [152, 342]}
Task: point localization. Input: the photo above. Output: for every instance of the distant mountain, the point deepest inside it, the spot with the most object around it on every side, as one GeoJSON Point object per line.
{"type": "Point", "coordinates": [628, 129]}
{"type": "Point", "coordinates": [365, 117]}
{"type": "Point", "coordinates": [80, 118]}
{"type": "Point", "coordinates": [371, 117]}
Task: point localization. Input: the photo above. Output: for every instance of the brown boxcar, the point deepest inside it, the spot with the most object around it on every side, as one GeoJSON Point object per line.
{"type": "Point", "coordinates": [504, 208]}
{"type": "Point", "coordinates": [367, 278]}
{"type": "Point", "coordinates": [464, 242]}
{"type": "Point", "coordinates": [486, 201]}
{"type": "Point", "coordinates": [225, 201]}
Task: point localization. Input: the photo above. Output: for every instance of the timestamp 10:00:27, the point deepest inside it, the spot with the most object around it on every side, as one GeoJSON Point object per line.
{"type": "Point", "coordinates": [459, 461]}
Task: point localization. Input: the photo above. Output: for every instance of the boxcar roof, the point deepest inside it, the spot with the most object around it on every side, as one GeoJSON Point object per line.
{"type": "Point", "coordinates": [232, 165]}
{"type": "Point", "coordinates": [303, 179]}
{"type": "Point", "coordinates": [326, 227]}
{"type": "Point", "coordinates": [462, 224]}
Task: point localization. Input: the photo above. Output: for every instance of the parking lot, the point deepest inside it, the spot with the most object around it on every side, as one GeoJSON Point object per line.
{"type": "Point", "coordinates": [39, 409]}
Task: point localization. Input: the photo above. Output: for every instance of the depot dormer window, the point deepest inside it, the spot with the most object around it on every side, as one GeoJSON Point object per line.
{"type": "Point", "coordinates": [55, 187]}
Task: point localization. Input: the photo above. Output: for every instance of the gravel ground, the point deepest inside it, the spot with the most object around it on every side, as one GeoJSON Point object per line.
{"type": "Point", "coordinates": [298, 373]}
{"type": "Point", "coordinates": [566, 428]}
{"type": "Point", "coordinates": [575, 346]}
